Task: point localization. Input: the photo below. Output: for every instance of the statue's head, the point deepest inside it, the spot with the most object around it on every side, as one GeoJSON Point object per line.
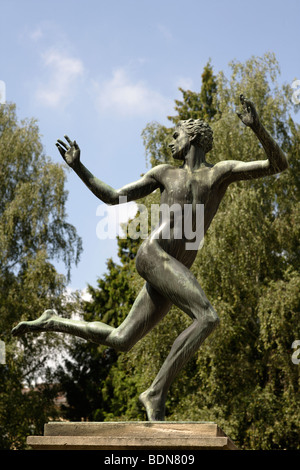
{"type": "Point", "coordinates": [200, 133]}
{"type": "Point", "coordinates": [191, 132]}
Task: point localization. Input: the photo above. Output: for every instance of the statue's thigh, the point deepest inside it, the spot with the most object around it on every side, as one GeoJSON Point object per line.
{"type": "Point", "coordinates": [148, 309]}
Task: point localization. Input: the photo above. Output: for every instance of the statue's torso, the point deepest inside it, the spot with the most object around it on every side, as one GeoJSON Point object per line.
{"type": "Point", "coordinates": [183, 190]}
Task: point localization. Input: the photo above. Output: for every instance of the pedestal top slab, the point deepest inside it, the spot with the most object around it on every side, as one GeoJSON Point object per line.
{"type": "Point", "coordinates": [137, 435]}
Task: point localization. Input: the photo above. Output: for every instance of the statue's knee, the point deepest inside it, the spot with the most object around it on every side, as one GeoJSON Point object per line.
{"type": "Point", "coordinates": [210, 318]}
{"type": "Point", "coordinates": [125, 347]}
{"type": "Point", "coordinates": [213, 320]}
{"type": "Point", "coordinates": [121, 342]}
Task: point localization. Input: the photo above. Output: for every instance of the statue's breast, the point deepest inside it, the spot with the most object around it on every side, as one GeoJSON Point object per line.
{"type": "Point", "coordinates": [198, 188]}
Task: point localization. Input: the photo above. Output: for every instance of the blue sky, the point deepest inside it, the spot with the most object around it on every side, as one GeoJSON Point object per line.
{"type": "Point", "coordinates": [99, 71]}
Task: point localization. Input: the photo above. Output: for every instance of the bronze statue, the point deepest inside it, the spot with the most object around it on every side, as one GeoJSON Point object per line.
{"type": "Point", "coordinates": [164, 262]}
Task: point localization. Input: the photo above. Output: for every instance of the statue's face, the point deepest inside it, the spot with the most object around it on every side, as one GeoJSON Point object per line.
{"type": "Point", "coordinates": [180, 143]}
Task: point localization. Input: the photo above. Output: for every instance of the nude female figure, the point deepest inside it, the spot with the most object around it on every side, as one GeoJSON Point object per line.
{"type": "Point", "coordinates": [164, 262]}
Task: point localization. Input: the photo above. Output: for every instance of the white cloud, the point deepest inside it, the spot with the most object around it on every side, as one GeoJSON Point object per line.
{"type": "Point", "coordinates": [165, 32]}
{"type": "Point", "coordinates": [85, 295]}
{"type": "Point", "coordinates": [2, 92]}
{"type": "Point", "coordinates": [121, 95]}
{"type": "Point", "coordinates": [36, 34]}
{"type": "Point", "coordinates": [63, 74]}
{"type": "Point", "coordinates": [185, 82]}
{"type": "Point", "coordinates": [70, 295]}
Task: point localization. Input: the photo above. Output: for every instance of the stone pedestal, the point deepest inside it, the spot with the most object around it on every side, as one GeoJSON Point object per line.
{"type": "Point", "coordinates": [132, 435]}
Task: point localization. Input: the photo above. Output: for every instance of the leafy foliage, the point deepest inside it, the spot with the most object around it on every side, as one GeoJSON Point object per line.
{"type": "Point", "coordinates": [197, 105]}
{"type": "Point", "coordinates": [33, 232]}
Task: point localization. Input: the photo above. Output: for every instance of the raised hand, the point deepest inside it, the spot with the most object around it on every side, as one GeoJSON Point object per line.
{"type": "Point", "coordinates": [248, 115]}
{"type": "Point", "coordinates": [71, 153]}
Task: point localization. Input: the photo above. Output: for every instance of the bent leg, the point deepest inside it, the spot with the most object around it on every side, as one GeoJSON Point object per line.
{"type": "Point", "coordinates": [174, 280]}
{"type": "Point", "coordinates": [184, 347]}
{"type": "Point", "coordinates": [148, 309]}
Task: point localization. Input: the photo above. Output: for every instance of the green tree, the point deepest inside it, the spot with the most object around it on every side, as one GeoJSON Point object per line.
{"type": "Point", "coordinates": [197, 105]}
{"type": "Point", "coordinates": [33, 233]}
{"type": "Point", "coordinates": [243, 377]}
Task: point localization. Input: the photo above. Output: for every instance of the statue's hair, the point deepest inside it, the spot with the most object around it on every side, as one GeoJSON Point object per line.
{"type": "Point", "coordinates": [201, 131]}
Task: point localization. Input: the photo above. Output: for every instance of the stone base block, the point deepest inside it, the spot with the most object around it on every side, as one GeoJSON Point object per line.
{"type": "Point", "coordinates": [131, 435]}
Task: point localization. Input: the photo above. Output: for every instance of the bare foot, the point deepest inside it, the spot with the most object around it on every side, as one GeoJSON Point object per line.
{"type": "Point", "coordinates": [40, 324]}
{"type": "Point", "coordinates": [155, 406]}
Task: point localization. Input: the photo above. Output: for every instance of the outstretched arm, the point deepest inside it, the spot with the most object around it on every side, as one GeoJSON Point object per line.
{"type": "Point", "coordinates": [276, 160]}
{"type": "Point", "coordinates": [71, 154]}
